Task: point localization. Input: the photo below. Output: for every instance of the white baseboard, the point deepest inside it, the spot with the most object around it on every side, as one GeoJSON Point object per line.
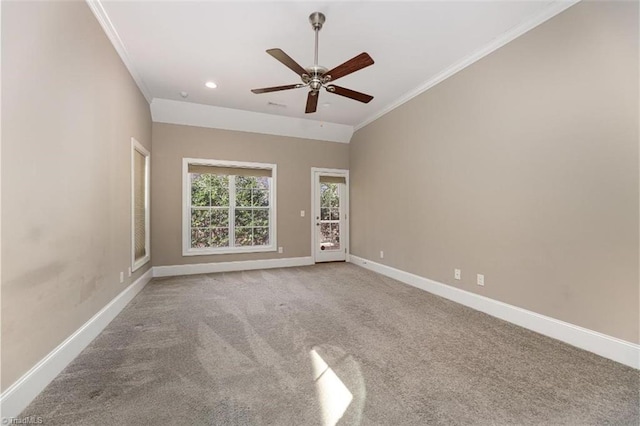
{"type": "Point", "coordinates": [243, 265]}
{"type": "Point", "coordinates": [24, 390]}
{"type": "Point", "coordinates": [601, 344]}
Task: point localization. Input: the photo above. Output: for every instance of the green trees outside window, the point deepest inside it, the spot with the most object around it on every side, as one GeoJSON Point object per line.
{"type": "Point", "coordinates": [229, 210]}
{"type": "Point", "coordinates": [330, 216]}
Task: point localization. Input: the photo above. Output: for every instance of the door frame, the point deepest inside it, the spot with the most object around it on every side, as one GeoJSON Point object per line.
{"type": "Point", "coordinates": [344, 234]}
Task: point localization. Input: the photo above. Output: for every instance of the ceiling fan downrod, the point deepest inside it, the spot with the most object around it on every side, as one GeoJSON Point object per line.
{"type": "Point", "coordinates": [316, 79]}
{"type": "Point", "coordinates": [317, 20]}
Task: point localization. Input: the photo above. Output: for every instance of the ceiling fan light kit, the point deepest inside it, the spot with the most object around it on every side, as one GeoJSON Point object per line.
{"type": "Point", "coordinates": [316, 76]}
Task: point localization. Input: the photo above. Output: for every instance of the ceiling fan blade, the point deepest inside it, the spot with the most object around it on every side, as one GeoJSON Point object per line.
{"type": "Point", "coordinates": [354, 64]}
{"type": "Point", "coordinates": [287, 61]}
{"type": "Point", "coordinates": [276, 88]}
{"type": "Point", "coordinates": [312, 102]}
{"type": "Point", "coordinates": [362, 97]}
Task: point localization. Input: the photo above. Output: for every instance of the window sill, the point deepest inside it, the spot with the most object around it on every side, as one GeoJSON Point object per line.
{"type": "Point", "coordinates": [140, 263]}
{"type": "Point", "coordinates": [226, 250]}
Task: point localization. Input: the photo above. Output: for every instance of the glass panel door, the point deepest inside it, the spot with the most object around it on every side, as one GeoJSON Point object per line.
{"type": "Point", "coordinates": [329, 238]}
{"type": "Point", "coordinates": [329, 218]}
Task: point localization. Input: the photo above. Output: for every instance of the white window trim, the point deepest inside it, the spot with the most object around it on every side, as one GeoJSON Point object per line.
{"type": "Point", "coordinates": [137, 146]}
{"type": "Point", "coordinates": [186, 208]}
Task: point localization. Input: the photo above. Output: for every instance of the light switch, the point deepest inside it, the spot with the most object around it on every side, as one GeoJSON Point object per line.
{"type": "Point", "coordinates": [301, 213]}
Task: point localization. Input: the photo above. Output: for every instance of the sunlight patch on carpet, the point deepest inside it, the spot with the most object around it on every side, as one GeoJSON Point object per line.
{"type": "Point", "coordinates": [333, 395]}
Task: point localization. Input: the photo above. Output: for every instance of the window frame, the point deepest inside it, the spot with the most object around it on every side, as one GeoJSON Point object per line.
{"type": "Point", "coordinates": [187, 250]}
{"type": "Point", "coordinates": [138, 147]}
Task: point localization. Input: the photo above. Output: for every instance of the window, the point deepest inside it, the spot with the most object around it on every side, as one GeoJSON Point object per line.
{"type": "Point", "coordinates": [330, 211]}
{"type": "Point", "coordinates": [140, 235]}
{"type": "Point", "coordinates": [229, 207]}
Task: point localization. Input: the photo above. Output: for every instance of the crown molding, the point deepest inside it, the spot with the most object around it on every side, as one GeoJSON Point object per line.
{"type": "Point", "coordinates": [297, 127]}
{"type": "Point", "coordinates": [102, 17]}
{"type": "Point", "coordinates": [192, 114]}
{"type": "Point", "coordinates": [549, 12]}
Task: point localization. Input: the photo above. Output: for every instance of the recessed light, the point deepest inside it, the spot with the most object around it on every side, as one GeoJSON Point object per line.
{"type": "Point", "coordinates": [211, 85]}
{"type": "Point", "coordinates": [184, 94]}
{"type": "Point", "coordinates": [326, 104]}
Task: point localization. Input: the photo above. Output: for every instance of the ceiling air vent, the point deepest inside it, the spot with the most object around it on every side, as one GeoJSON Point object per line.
{"type": "Point", "coordinates": [277, 105]}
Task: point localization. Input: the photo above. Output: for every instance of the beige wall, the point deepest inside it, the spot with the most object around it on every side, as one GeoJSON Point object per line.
{"type": "Point", "coordinates": [522, 167]}
{"type": "Point", "coordinates": [294, 157]}
{"type": "Point", "coordinates": [69, 110]}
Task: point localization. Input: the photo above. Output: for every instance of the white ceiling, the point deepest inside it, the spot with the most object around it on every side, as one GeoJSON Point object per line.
{"type": "Point", "coordinates": [178, 46]}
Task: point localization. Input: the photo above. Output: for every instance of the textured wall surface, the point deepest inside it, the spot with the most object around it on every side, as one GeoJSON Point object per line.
{"type": "Point", "coordinates": [69, 110]}
{"type": "Point", "coordinates": [522, 167]}
{"type": "Point", "coordinates": [294, 157]}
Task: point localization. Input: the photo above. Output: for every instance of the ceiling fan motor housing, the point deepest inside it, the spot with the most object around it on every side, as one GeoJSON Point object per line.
{"type": "Point", "coordinates": [315, 77]}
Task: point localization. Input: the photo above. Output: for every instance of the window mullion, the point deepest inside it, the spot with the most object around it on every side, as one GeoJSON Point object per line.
{"type": "Point", "coordinates": [232, 210]}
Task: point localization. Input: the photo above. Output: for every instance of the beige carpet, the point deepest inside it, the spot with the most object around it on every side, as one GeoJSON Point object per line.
{"type": "Point", "coordinates": [326, 343]}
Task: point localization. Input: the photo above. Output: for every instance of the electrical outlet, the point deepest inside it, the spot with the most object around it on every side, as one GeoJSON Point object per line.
{"type": "Point", "coordinates": [301, 213]}
{"type": "Point", "coordinates": [121, 277]}
{"type": "Point", "coordinates": [280, 249]}
{"type": "Point", "coordinates": [457, 274]}
{"type": "Point", "coordinates": [381, 254]}
{"type": "Point", "coordinates": [129, 271]}
{"type": "Point", "coordinates": [480, 279]}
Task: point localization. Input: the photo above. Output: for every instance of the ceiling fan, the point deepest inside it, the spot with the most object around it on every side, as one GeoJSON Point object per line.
{"type": "Point", "coordinates": [316, 76]}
